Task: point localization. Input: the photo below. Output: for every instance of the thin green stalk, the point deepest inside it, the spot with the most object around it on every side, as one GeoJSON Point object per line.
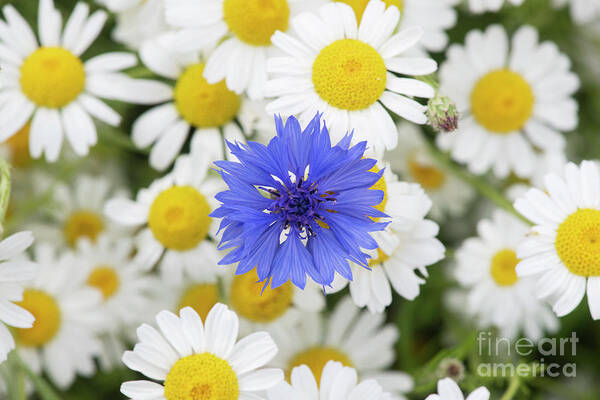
{"type": "Point", "coordinates": [478, 183]}
{"type": "Point", "coordinates": [44, 390]}
{"type": "Point", "coordinates": [512, 389]}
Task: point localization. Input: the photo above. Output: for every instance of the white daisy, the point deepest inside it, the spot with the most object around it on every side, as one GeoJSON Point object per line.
{"type": "Point", "coordinates": [496, 296]}
{"type": "Point", "coordinates": [481, 6]}
{"type": "Point", "coordinates": [173, 214]}
{"type": "Point", "coordinates": [582, 11]}
{"type": "Point", "coordinates": [449, 390]}
{"type": "Point", "coordinates": [75, 210]}
{"type": "Point", "coordinates": [435, 16]}
{"type": "Point", "coordinates": [63, 340]}
{"type": "Point", "coordinates": [348, 72]}
{"type": "Point", "coordinates": [354, 338]}
{"type": "Point", "coordinates": [242, 29]}
{"type": "Point", "coordinates": [450, 195]}
{"type": "Point", "coordinates": [259, 307]}
{"type": "Point", "coordinates": [14, 273]}
{"type": "Point", "coordinates": [136, 20]}
{"type": "Point", "coordinates": [196, 359]}
{"type": "Point", "coordinates": [126, 290]}
{"type": "Point", "coordinates": [514, 103]}
{"type": "Point", "coordinates": [406, 246]}
{"type": "Point", "coordinates": [336, 379]}
{"type": "Point", "coordinates": [561, 250]}
{"type": "Point", "coordinates": [52, 83]}
{"type": "Point", "coordinates": [209, 109]}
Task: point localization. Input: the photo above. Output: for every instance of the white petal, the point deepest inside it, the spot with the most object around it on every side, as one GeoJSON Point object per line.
{"type": "Point", "coordinates": [98, 109]}
{"type": "Point", "coordinates": [126, 212]}
{"type": "Point", "coordinates": [262, 379]}
{"type": "Point", "coordinates": [142, 390]}
{"type": "Point", "coordinates": [46, 134]}
{"type": "Point", "coordinates": [593, 294]}
{"type": "Point", "coordinates": [109, 62]}
{"type": "Point", "coordinates": [89, 32]}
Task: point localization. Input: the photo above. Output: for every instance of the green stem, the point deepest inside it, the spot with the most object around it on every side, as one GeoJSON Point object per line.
{"type": "Point", "coordinates": [42, 387]}
{"type": "Point", "coordinates": [512, 389]}
{"type": "Point", "coordinates": [484, 188]}
{"type": "Point", "coordinates": [431, 80]}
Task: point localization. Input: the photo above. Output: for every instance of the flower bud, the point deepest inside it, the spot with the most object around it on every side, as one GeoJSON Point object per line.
{"type": "Point", "coordinates": [442, 114]}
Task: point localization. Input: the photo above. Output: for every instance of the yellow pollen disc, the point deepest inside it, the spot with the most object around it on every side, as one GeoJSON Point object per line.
{"type": "Point", "coordinates": [380, 185]}
{"type": "Point", "coordinates": [201, 377]}
{"type": "Point", "coordinates": [349, 74]}
{"type": "Point", "coordinates": [202, 104]}
{"type": "Point", "coordinates": [381, 258]}
{"type": "Point", "coordinates": [52, 77]}
{"type": "Point", "coordinates": [429, 177]}
{"type": "Point", "coordinates": [47, 318]}
{"type": "Point", "coordinates": [315, 358]}
{"type": "Point", "coordinates": [19, 147]}
{"type": "Point", "coordinates": [248, 301]}
{"type": "Point", "coordinates": [503, 267]}
{"type": "Point", "coordinates": [359, 5]}
{"type": "Point", "coordinates": [502, 101]}
{"type": "Point", "coordinates": [179, 218]}
{"type": "Point", "coordinates": [578, 242]}
{"type": "Point", "coordinates": [255, 21]}
{"type": "Point", "coordinates": [105, 279]}
{"type": "Point", "coordinates": [201, 297]}
{"type": "Point", "coordinates": [83, 223]}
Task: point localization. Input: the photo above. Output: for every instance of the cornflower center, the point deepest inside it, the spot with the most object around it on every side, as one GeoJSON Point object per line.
{"type": "Point", "coordinates": [300, 204]}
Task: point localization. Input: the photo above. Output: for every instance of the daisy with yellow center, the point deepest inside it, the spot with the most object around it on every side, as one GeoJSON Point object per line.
{"type": "Point", "coordinates": [514, 108]}
{"type": "Point", "coordinates": [494, 295]}
{"type": "Point", "coordinates": [241, 30]}
{"type": "Point", "coordinates": [334, 378]}
{"type": "Point", "coordinates": [264, 307]}
{"type": "Point", "coordinates": [435, 16]}
{"type": "Point", "coordinates": [136, 20]}
{"type": "Point", "coordinates": [562, 251]}
{"type": "Point", "coordinates": [412, 159]}
{"type": "Point", "coordinates": [54, 88]}
{"type": "Point", "coordinates": [67, 319]}
{"type": "Point", "coordinates": [127, 290]}
{"type": "Point", "coordinates": [14, 274]}
{"type": "Point", "coordinates": [210, 110]}
{"type": "Point", "coordinates": [406, 248]}
{"type": "Point", "coordinates": [350, 73]}
{"type": "Point", "coordinates": [174, 216]}
{"type": "Point", "coordinates": [354, 338]}
{"type": "Point", "coordinates": [200, 360]}
{"type": "Point", "coordinates": [77, 210]}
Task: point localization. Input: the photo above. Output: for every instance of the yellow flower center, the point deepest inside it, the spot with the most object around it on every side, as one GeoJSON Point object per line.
{"type": "Point", "coordinates": [381, 184]}
{"type": "Point", "coordinates": [578, 242]}
{"type": "Point", "coordinates": [349, 74]}
{"type": "Point", "coordinates": [201, 297]}
{"type": "Point", "coordinates": [47, 318]}
{"type": "Point", "coordinates": [179, 218]}
{"type": "Point", "coordinates": [202, 104]}
{"type": "Point", "coordinates": [503, 267]}
{"type": "Point", "coordinates": [105, 279]}
{"type": "Point", "coordinates": [429, 177]}
{"type": "Point", "coordinates": [255, 21]}
{"type": "Point", "coordinates": [201, 377]}
{"type": "Point", "coordinates": [83, 223]}
{"type": "Point", "coordinates": [315, 358]}
{"type": "Point", "coordinates": [502, 101]}
{"type": "Point", "coordinates": [359, 5]}
{"type": "Point", "coordinates": [52, 77]}
{"type": "Point", "coordinates": [19, 147]}
{"type": "Point", "coordinates": [381, 258]}
{"type": "Point", "coordinates": [251, 302]}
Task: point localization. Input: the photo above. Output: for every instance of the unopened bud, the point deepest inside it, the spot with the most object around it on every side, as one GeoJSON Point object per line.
{"type": "Point", "coordinates": [4, 191]}
{"type": "Point", "coordinates": [451, 368]}
{"type": "Point", "coordinates": [442, 114]}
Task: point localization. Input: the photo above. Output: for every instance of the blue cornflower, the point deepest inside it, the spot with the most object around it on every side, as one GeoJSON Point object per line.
{"type": "Point", "coordinates": [298, 206]}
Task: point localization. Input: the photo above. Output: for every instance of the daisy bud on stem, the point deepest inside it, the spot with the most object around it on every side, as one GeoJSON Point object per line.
{"type": "Point", "coordinates": [451, 368]}
{"type": "Point", "coordinates": [4, 191]}
{"type": "Point", "coordinates": [442, 114]}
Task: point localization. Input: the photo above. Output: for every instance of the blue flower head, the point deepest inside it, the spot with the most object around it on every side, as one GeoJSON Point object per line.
{"type": "Point", "coordinates": [298, 206]}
